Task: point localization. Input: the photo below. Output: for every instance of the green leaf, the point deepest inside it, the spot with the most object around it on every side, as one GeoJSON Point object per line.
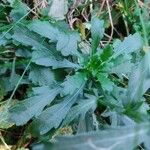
{"type": "Point", "coordinates": [130, 44]}
{"type": "Point", "coordinates": [45, 58]}
{"type": "Point", "coordinates": [67, 43]}
{"type": "Point", "coordinates": [22, 112]}
{"type": "Point", "coordinates": [119, 63]}
{"type": "Point", "coordinates": [3, 41]}
{"type": "Point", "coordinates": [119, 138]}
{"type": "Point", "coordinates": [23, 52]}
{"type": "Point", "coordinates": [45, 29]}
{"type": "Point", "coordinates": [66, 40]}
{"type": "Point", "coordinates": [105, 82]}
{"type": "Point", "coordinates": [41, 76]}
{"type": "Point", "coordinates": [6, 84]}
{"type": "Point", "coordinates": [44, 54]}
{"type": "Point", "coordinates": [97, 30]}
{"type": "Point", "coordinates": [53, 116]}
{"type": "Point", "coordinates": [9, 83]}
{"type": "Point", "coordinates": [139, 80]}
{"type": "Point", "coordinates": [1, 92]}
{"type": "Point", "coordinates": [58, 9]}
{"type": "Point", "coordinates": [72, 83]}
{"type": "Point", "coordinates": [106, 54]}
{"type": "Point", "coordinates": [12, 2]}
{"type": "Point", "coordinates": [87, 122]}
{"type": "Point", "coordinates": [19, 10]}
{"type": "Point", "coordinates": [28, 38]}
{"type": "Point", "coordinates": [81, 108]}
{"type": "Point", "coordinates": [66, 64]}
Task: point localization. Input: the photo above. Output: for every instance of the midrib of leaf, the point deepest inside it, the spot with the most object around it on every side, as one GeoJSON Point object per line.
{"type": "Point", "coordinates": [88, 104]}
{"type": "Point", "coordinates": [56, 112]}
{"type": "Point", "coordinates": [57, 89]}
{"type": "Point", "coordinates": [73, 96]}
{"type": "Point", "coordinates": [83, 108]}
{"type": "Point", "coordinates": [33, 108]}
{"type": "Point", "coordinates": [27, 36]}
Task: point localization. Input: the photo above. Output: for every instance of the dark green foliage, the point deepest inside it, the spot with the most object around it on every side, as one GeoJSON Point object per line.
{"type": "Point", "coordinates": [59, 86]}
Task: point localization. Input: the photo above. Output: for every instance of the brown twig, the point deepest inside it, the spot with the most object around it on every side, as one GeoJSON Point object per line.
{"type": "Point", "coordinates": [99, 12]}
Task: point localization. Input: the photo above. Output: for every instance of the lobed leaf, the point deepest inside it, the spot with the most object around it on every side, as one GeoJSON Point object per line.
{"type": "Point", "coordinates": [44, 58]}
{"type": "Point", "coordinates": [81, 108]}
{"type": "Point", "coordinates": [72, 83]}
{"type": "Point", "coordinates": [139, 80]}
{"type": "Point", "coordinates": [130, 44]}
{"type": "Point", "coordinates": [105, 82]}
{"type": "Point", "coordinates": [66, 40]}
{"type": "Point", "coordinates": [45, 29]}
{"type": "Point", "coordinates": [53, 116]}
{"type": "Point", "coordinates": [41, 76]}
{"type": "Point", "coordinates": [22, 112]}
